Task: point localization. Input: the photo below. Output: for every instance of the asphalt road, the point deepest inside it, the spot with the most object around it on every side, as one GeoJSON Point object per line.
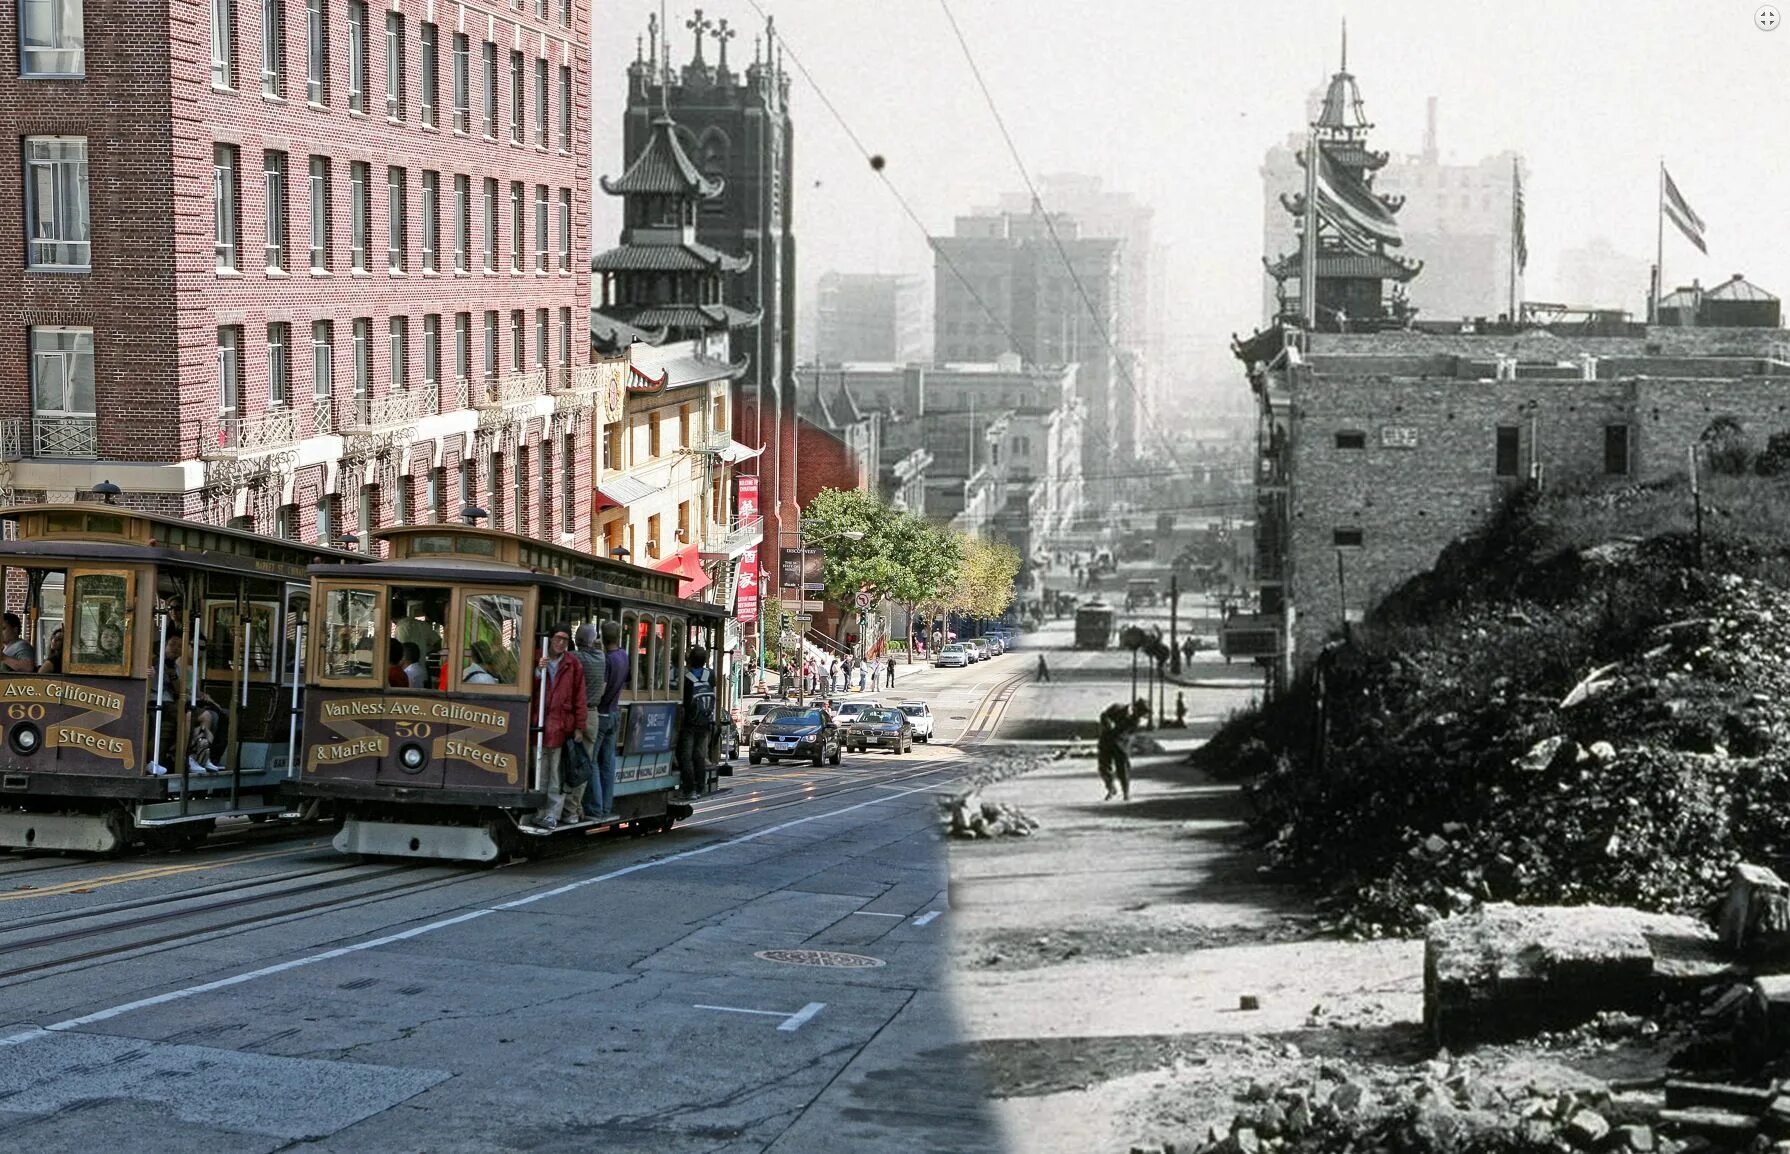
{"type": "Point", "coordinates": [264, 993]}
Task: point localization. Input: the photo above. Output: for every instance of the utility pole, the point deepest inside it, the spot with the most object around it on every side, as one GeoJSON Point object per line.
{"type": "Point", "coordinates": [1174, 609]}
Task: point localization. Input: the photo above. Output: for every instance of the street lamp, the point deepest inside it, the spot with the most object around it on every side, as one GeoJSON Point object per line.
{"type": "Point", "coordinates": [472, 514]}
{"type": "Point", "coordinates": [621, 553]}
{"type": "Point", "coordinates": [107, 492]}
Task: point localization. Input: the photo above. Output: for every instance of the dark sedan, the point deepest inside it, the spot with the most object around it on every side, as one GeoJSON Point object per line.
{"type": "Point", "coordinates": [796, 732]}
{"type": "Point", "coordinates": [882, 729]}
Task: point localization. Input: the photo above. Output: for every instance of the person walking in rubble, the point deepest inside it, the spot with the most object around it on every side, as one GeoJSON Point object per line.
{"type": "Point", "coordinates": [1117, 724]}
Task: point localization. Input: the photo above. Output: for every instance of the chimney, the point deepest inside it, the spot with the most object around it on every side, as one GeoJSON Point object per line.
{"type": "Point", "coordinates": [1429, 133]}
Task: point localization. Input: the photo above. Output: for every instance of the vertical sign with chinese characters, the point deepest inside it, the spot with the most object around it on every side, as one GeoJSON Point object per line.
{"type": "Point", "coordinates": [746, 506]}
{"type": "Point", "coordinates": [746, 605]}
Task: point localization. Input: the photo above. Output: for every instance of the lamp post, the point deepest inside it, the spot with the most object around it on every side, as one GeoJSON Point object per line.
{"type": "Point", "coordinates": [107, 492]}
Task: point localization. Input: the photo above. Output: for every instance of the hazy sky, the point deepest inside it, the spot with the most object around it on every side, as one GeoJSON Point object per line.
{"type": "Point", "coordinates": [1177, 101]}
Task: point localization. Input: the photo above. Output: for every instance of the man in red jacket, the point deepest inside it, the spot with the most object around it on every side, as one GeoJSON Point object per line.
{"type": "Point", "coordinates": [561, 682]}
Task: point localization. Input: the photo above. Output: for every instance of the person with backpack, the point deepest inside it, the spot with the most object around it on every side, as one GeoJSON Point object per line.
{"type": "Point", "coordinates": [596, 681]}
{"type": "Point", "coordinates": [696, 731]}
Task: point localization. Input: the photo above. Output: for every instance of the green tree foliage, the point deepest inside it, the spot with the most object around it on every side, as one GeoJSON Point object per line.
{"type": "Point", "coordinates": [984, 586]}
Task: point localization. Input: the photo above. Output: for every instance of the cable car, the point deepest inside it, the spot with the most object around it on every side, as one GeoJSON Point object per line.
{"type": "Point", "coordinates": [422, 723]}
{"type": "Point", "coordinates": [1094, 625]}
{"type": "Point", "coordinates": [153, 683]}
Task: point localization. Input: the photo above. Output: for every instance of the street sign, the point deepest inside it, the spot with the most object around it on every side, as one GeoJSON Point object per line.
{"type": "Point", "coordinates": [863, 599]}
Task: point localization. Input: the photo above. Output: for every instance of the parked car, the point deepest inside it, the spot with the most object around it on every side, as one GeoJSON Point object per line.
{"type": "Point", "coordinates": [796, 732]}
{"type": "Point", "coordinates": [882, 728]}
{"type": "Point", "coordinates": [997, 644]}
{"type": "Point", "coordinates": [952, 656]}
{"type": "Point", "coordinates": [978, 649]}
{"type": "Point", "coordinates": [919, 715]}
{"type": "Point", "coordinates": [757, 714]}
{"type": "Point", "coordinates": [847, 712]}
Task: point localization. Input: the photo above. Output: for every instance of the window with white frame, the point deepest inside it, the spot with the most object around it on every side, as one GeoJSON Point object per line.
{"type": "Point", "coordinates": [490, 224]}
{"type": "Point", "coordinates": [518, 342]}
{"type": "Point", "coordinates": [321, 514]}
{"type": "Point", "coordinates": [400, 353]}
{"type": "Point", "coordinates": [541, 117]}
{"type": "Point", "coordinates": [568, 500]}
{"type": "Point", "coordinates": [363, 358]}
{"type": "Point", "coordinates": [273, 47]}
{"type": "Point", "coordinates": [223, 204]}
{"type": "Point", "coordinates": [229, 369]}
{"type": "Point", "coordinates": [52, 41]}
{"type": "Point", "coordinates": [431, 221]}
{"type": "Point", "coordinates": [462, 223]}
{"type": "Point", "coordinates": [463, 345]}
{"type": "Point", "coordinates": [518, 97]}
{"type": "Point", "coordinates": [432, 353]}
{"type": "Point", "coordinates": [401, 501]}
{"type": "Point", "coordinates": [322, 358]}
{"type": "Point", "coordinates": [357, 55]}
{"type": "Point", "coordinates": [56, 217]}
{"type": "Point", "coordinates": [279, 363]}
{"type": "Point", "coordinates": [565, 108]}
{"type": "Point", "coordinates": [518, 224]}
{"type": "Point", "coordinates": [541, 228]}
{"type": "Point", "coordinates": [396, 219]}
{"type": "Point", "coordinates": [494, 487]}
{"type": "Point", "coordinates": [565, 230]}
{"type": "Point", "coordinates": [519, 478]}
{"type": "Point", "coordinates": [543, 338]}
{"type": "Point", "coordinates": [490, 70]}
{"type": "Point", "coordinates": [320, 213]}
{"type": "Point", "coordinates": [223, 43]}
{"type": "Point", "coordinates": [317, 51]}
{"type": "Point", "coordinates": [360, 215]}
{"type": "Point", "coordinates": [565, 338]}
{"type": "Point", "coordinates": [394, 66]}
{"type": "Point", "coordinates": [274, 172]}
{"type": "Point", "coordinates": [285, 522]}
{"type": "Point", "coordinates": [428, 73]}
{"type": "Point", "coordinates": [462, 81]}
{"type": "Point", "coordinates": [490, 342]}
{"type": "Point", "coordinates": [62, 373]}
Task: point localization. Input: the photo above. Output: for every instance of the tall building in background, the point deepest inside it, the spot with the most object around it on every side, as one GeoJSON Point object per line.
{"type": "Point", "coordinates": [1456, 220]}
{"type": "Point", "coordinates": [735, 127]}
{"type": "Point", "coordinates": [317, 263]}
{"type": "Point", "coordinates": [1599, 276]}
{"type": "Point", "coordinates": [1002, 286]}
{"type": "Point", "coordinates": [870, 317]}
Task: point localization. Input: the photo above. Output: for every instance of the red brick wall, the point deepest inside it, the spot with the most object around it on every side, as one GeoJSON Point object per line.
{"type": "Point", "coordinates": [811, 460]}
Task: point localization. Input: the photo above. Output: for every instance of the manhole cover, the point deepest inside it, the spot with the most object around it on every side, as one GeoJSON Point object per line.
{"type": "Point", "coordinates": [819, 958]}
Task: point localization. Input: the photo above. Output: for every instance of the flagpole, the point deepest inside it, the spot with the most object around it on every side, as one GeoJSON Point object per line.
{"type": "Point", "coordinates": [1308, 265]}
{"type": "Point", "coordinates": [1514, 193]}
{"type": "Point", "coordinates": [1659, 243]}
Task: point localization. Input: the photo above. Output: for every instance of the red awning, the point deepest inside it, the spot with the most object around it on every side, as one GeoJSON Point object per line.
{"type": "Point", "coordinates": [687, 564]}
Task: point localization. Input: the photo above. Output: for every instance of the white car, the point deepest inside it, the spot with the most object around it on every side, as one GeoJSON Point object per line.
{"type": "Point", "coordinates": [919, 715]}
{"type": "Point", "coordinates": [952, 656]}
{"type": "Point", "coordinates": [847, 712]}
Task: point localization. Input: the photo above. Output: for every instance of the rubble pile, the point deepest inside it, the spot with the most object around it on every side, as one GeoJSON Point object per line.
{"type": "Point", "coordinates": [1605, 724]}
{"type": "Point", "coordinates": [967, 816]}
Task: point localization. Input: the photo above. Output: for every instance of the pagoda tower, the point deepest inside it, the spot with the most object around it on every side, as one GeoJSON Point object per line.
{"type": "Point", "coordinates": [1355, 225]}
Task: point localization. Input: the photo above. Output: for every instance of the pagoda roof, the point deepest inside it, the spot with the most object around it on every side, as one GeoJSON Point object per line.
{"type": "Point", "coordinates": [663, 167]}
{"type": "Point", "coordinates": [615, 335]}
{"type": "Point", "coordinates": [676, 316]}
{"type": "Point", "coordinates": [688, 256]}
{"type": "Point", "coordinates": [1348, 266]}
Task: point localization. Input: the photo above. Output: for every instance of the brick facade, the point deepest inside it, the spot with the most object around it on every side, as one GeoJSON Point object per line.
{"type": "Point", "coordinates": [156, 299]}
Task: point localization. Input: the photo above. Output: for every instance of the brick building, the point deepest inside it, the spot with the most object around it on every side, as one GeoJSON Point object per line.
{"type": "Point", "coordinates": [1377, 450]}
{"type": "Point", "coordinates": [318, 269]}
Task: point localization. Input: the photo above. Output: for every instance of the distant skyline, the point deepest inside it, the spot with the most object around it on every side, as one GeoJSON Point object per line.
{"type": "Point", "coordinates": [1177, 103]}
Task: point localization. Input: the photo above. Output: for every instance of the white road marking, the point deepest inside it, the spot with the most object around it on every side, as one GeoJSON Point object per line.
{"type": "Point", "coordinates": [800, 1018]}
{"type": "Point", "coordinates": [739, 1010]}
{"type": "Point", "coordinates": [927, 917]}
{"type": "Point", "coordinates": [874, 914]}
{"type": "Point", "coordinates": [431, 927]}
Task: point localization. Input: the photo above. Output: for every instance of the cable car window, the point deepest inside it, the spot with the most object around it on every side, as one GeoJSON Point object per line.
{"type": "Point", "coordinates": [492, 626]}
{"type": "Point", "coordinates": [418, 617]}
{"type": "Point", "coordinates": [656, 655]}
{"type": "Point", "coordinates": [97, 635]}
{"type": "Point", "coordinates": [634, 636]}
{"type": "Point", "coordinates": [679, 658]}
{"type": "Point", "coordinates": [230, 640]}
{"type": "Point", "coordinates": [50, 611]}
{"type": "Point", "coordinates": [349, 616]}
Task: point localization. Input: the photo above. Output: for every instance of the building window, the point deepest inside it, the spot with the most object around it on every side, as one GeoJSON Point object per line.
{"type": "Point", "coordinates": [429, 74]}
{"type": "Point", "coordinates": [565, 108]}
{"type": "Point", "coordinates": [394, 66]}
{"type": "Point", "coordinates": [401, 501]}
{"type": "Point", "coordinates": [462, 223]}
{"type": "Point", "coordinates": [612, 446]}
{"type": "Point", "coordinates": [518, 342]}
{"type": "Point", "coordinates": [322, 349]}
{"type": "Point", "coordinates": [565, 13]}
{"type": "Point", "coordinates": [565, 230]}
{"type": "Point", "coordinates": [568, 498]}
{"type": "Point", "coordinates": [1346, 538]}
{"type": "Point", "coordinates": [683, 522]}
{"type": "Point", "coordinates": [494, 489]}
{"type": "Point", "coordinates": [462, 346]}
{"type": "Point", "coordinates": [223, 43]}
{"type": "Point", "coordinates": [490, 224]}
{"type": "Point", "coordinates": [519, 480]}
{"type": "Point", "coordinates": [360, 215]}
{"type": "Point", "coordinates": [652, 535]}
{"type": "Point", "coordinates": [357, 55]}
{"type": "Point", "coordinates": [468, 483]}
{"type": "Point", "coordinates": [718, 418]}
{"type": "Point", "coordinates": [400, 353]}
{"type": "Point", "coordinates": [432, 355]}
{"type": "Point", "coordinates": [541, 118]}
{"type": "Point", "coordinates": [223, 203]}
{"type": "Point", "coordinates": [546, 475]}
{"type": "Point", "coordinates": [490, 70]}
{"type": "Point", "coordinates": [369, 500]}
{"type": "Point", "coordinates": [51, 40]}
{"type": "Point", "coordinates": [518, 94]}
{"type": "Point", "coordinates": [565, 338]}
{"type": "Point", "coordinates": [1351, 440]}
{"type": "Point", "coordinates": [321, 513]}
{"type": "Point", "coordinates": [62, 376]}
{"type": "Point", "coordinates": [279, 363]}
{"type": "Point", "coordinates": [273, 47]}
{"type": "Point", "coordinates": [229, 372]}
{"type": "Point", "coordinates": [316, 52]}
{"type": "Point", "coordinates": [1505, 462]}
{"type": "Point", "coordinates": [274, 170]}
{"type": "Point", "coordinates": [395, 233]}
{"type": "Point", "coordinates": [56, 220]}
{"type": "Point", "coordinates": [491, 343]}
{"type": "Point", "coordinates": [541, 249]}
{"type": "Point", "coordinates": [431, 220]}
{"type": "Point", "coordinates": [652, 435]}
{"type": "Point", "coordinates": [363, 359]}
{"type": "Point", "coordinates": [320, 213]}
{"type": "Point", "coordinates": [285, 522]}
{"type": "Point", "coordinates": [462, 81]}
{"type": "Point", "coordinates": [543, 339]}
{"type": "Point", "coordinates": [518, 224]}
{"type": "Point", "coordinates": [437, 490]}
{"type": "Point", "coordinates": [686, 427]}
{"type": "Point", "coordinates": [1616, 454]}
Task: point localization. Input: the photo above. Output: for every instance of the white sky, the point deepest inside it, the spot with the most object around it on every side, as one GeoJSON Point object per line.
{"type": "Point", "coordinates": [1177, 100]}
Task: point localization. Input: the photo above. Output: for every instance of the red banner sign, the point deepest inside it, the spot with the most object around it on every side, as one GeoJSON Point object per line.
{"type": "Point", "coordinates": [747, 506]}
{"type": "Point", "coordinates": [746, 606]}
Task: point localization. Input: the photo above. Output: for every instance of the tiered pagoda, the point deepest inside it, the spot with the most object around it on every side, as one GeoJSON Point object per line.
{"type": "Point", "coordinates": [1353, 264]}
{"type": "Point", "coordinates": [661, 284]}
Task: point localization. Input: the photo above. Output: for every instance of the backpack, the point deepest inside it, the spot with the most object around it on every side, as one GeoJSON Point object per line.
{"type": "Point", "coordinates": [702, 696]}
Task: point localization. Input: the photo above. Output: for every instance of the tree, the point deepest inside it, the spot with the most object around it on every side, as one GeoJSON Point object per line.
{"type": "Point", "coordinates": [984, 586]}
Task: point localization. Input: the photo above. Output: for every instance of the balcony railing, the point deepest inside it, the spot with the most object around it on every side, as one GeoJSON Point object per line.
{"type": "Point", "coordinates": [231, 436]}
{"type": "Point", "coordinates": [735, 538]}
{"type": "Point", "coordinates": [389, 411]}
{"type": "Point", "coordinates": [49, 437]}
{"type": "Point", "coordinates": [496, 392]}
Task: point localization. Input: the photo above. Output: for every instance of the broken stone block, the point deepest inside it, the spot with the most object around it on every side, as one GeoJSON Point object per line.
{"type": "Point", "coordinates": [1636, 1139]}
{"type": "Point", "coordinates": [1754, 921]}
{"type": "Point", "coordinates": [1586, 1128]}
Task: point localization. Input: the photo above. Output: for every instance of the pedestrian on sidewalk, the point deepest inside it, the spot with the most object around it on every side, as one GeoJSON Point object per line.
{"type": "Point", "coordinates": [889, 662]}
{"type": "Point", "coordinates": [1043, 669]}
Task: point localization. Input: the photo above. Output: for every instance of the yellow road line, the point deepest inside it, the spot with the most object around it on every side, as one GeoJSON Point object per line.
{"type": "Point", "coordinates": [149, 874]}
